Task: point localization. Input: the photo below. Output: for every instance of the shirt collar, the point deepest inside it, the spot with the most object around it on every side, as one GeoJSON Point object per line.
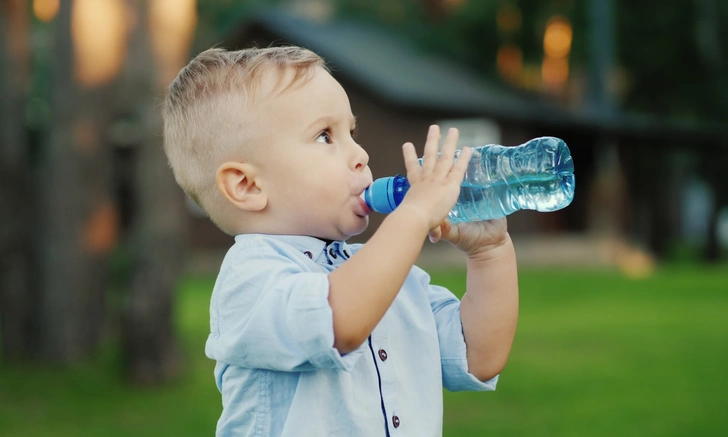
{"type": "Point", "coordinates": [319, 250]}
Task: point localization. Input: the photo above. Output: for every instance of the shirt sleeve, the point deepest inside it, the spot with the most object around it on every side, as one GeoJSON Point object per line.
{"type": "Point", "coordinates": [268, 312]}
{"type": "Point", "coordinates": [446, 309]}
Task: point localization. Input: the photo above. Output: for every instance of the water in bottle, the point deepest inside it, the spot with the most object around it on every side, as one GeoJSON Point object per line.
{"type": "Point", "coordinates": [537, 175]}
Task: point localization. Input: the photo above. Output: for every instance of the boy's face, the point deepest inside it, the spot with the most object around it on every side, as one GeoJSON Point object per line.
{"type": "Point", "coordinates": [311, 168]}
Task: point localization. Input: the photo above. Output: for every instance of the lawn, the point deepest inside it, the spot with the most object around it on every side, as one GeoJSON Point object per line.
{"type": "Point", "coordinates": [596, 354]}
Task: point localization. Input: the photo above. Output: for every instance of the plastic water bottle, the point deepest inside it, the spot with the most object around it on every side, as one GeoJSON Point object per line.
{"type": "Point", "coordinates": [537, 175]}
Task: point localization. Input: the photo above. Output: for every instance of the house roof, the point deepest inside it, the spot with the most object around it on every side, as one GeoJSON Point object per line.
{"type": "Point", "coordinates": [395, 71]}
{"type": "Point", "coordinates": [405, 76]}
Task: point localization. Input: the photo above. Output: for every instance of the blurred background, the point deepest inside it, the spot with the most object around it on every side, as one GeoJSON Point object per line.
{"type": "Point", "coordinates": [106, 269]}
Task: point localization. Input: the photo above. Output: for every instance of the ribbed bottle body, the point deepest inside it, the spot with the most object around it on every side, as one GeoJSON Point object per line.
{"type": "Point", "coordinates": [538, 175]}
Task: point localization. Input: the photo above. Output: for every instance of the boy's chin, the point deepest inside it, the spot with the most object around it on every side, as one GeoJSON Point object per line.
{"type": "Point", "coordinates": [352, 231]}
{"type": "Point", "coordinates": [360, 229]}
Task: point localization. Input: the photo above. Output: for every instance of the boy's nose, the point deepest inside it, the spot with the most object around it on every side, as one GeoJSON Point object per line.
{"type": "Point", "coordinates": [361, 158]}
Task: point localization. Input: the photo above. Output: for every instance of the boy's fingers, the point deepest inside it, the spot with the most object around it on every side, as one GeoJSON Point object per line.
{"type": "Point", "coordinates": [411, 162]}
{"type": "Point", "coordinates": [448, 152]}
{"type": "Point", "coordinates": [448, 232]}
{"type": "Point", "coordinates": [435, 235]}
{"type": "Point", "coordinates": [458, 170]}
{"type": "Point", "coordinates": [429, 158]}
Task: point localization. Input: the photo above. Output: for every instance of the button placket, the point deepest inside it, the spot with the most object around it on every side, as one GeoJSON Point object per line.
{"type": "Point", "coordinates": [381, 348]}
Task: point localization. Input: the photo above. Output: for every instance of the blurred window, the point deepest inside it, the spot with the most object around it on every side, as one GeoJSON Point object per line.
{"type": "Point", "coordinates": [473, 131]}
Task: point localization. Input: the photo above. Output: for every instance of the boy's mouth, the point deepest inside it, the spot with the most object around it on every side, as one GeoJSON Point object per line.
{"type": "Point", "coordinates": [365, 211]}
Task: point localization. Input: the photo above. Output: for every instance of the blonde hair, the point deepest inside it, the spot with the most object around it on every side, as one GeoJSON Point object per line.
{"type": "Point", "coordinates": [206, 105]}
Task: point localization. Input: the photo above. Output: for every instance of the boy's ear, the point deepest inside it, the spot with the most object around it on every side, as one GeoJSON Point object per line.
{"type": "Point", "coordinates": [236, 181]}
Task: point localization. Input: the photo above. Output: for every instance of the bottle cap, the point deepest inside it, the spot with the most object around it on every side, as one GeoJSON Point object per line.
{"type": "Point", "coordinates": [380, 195]}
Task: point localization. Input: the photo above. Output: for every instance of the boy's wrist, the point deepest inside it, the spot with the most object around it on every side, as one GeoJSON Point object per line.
{"type": "Point", "coordinates": [491, 251]}
{"type": "Point", "coordinates": [416, 217]}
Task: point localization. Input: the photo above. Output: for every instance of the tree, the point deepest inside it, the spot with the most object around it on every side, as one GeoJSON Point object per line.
{"type": "Point", "coordinates": [713, 162]}
{"type": "Point", "coordinates": [18, 291]}
{"type": "Point", "coordinates": [59, 219]}
{"type": "Point", "coordinates": [61, 223]}
{"type": "Point", "coordinates": [76, 215]}
{"type": "Point", "coordinates": [158, 229]}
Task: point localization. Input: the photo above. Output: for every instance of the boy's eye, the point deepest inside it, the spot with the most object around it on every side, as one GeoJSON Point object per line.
{"type": "Point", "coordinates": [353, 133]}
{"type": "Point", "coordinates": [324, 137]}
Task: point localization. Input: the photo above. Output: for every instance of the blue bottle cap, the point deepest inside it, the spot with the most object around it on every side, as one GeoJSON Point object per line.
{"type": "Point", "coordinates": [380, 195]}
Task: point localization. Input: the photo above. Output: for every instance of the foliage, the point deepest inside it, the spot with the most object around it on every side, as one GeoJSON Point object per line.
{"type": "Point", "coordinates": [669, 63]}
{"type": "Point", "coordinates": [596, 354]}
{"type": "Point", "coordinates": [659, 48]}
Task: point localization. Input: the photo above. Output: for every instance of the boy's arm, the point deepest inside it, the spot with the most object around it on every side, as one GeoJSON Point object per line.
{"type": "Point", "coordinates": [364, 287]}
{"type": "Point", "coordinates": [489, 309]}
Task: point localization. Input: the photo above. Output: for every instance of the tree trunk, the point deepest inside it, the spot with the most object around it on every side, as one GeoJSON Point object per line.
{"type": "Point", "coordinates": [709, 44]}
{"type": "Point", "coordinates": [149, 341]}
{"type": "Point", "coordinates": [77, 215]}
{"type": "Point", "coordinates": [714, 172]}
{"type": "Point", "coordinates": [18, 292]}
{"type": "Point", "coordinates": [712, 250]}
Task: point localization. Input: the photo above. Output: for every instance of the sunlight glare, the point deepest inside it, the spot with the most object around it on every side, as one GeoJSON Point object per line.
{"type": "Point", "coordinates": [99, 29]}
{"type": "Point", "coordinates": [172, 25]}
{"type": "Point", "coordinates": [46, 10]}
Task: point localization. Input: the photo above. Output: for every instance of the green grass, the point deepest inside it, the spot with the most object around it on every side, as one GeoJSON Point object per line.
{"type": "Point", "coordinates": [596, 354]}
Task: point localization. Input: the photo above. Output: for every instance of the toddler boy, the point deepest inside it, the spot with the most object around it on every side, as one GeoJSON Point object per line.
{"type": "Point", "coordinates": [313, 336]}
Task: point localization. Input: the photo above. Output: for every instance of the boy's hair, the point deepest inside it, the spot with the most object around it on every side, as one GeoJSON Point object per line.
{"type": "Point", "coordinates": [207, 105]}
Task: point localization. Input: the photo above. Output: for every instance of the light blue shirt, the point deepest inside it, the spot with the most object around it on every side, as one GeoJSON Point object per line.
{"type": "Point", "coordinates": [271, 333]}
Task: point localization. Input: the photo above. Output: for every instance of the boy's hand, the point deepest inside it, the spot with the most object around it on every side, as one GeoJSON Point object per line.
{"type": "Point", "coordinates": [435, 185]}
{"type": "Point", "coordinates": [474, 238]}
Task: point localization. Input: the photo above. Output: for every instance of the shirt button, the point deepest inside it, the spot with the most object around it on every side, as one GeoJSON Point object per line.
{"type": "Point", "coordinates": [308, 254]}
{"type": "Point", "coordinates": [332, 253]}
{"type": "Point", "coordinates": [382, 354]}
{"type": "Point", "coordinates": [395, 421]}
